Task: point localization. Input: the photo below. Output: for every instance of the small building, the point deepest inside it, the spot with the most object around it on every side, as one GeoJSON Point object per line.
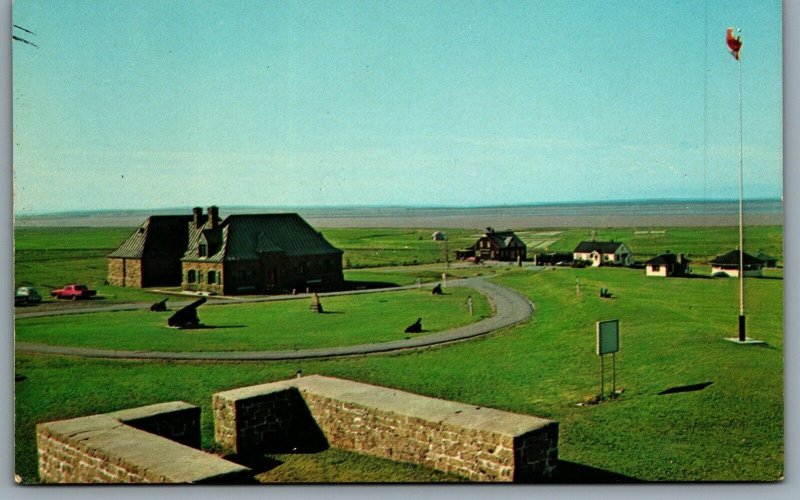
{"type": "Point", "coordinates": [768, 260]}
{"type": "Point", "coordinates": [728, 265]}
{"type": "Point", "coordinates": [667, 264]}
{"type": "Point", "coordinates": [265, 253]}
{"type": "Point", "coordinates": [438, 236]}
{"type": "Point", "coordinates": [602, 253]}
{"type": "Point", "coordinates": [151, 255]}
{"type": "Point", "coordinates": [496, 245]}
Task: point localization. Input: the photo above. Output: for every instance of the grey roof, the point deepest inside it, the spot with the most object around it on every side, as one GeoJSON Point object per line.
{"type": "Point", "coordinates": [158, 236]}
{"type": "Point", "coordinates": [600, 246]}
{"type": "Point", "coordinates": [246, 237]}
{"type": "Point", "coordinates": [732, 257]}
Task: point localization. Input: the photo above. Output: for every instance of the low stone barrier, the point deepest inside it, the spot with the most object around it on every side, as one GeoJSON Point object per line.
{"type": "Point", "coordinates": [482, 444]}
{"type": "Point", "coordinates": [131, 446]}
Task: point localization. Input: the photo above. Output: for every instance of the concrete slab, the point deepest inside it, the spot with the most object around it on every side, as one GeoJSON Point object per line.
{"type": "Point", "coordinates": [422, 407]}
{"type": "Point", "coordinates": [747, 341]}
{"type": "Point", "coordinates": [151, 410]}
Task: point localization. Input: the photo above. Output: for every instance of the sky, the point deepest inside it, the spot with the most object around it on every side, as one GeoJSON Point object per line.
{"type": "Point", "coordinates": [153, 104]}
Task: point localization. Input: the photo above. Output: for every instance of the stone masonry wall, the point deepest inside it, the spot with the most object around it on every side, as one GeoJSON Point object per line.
{"type": "Point", "coordinates": [274, 422]}
{"type": "Point", "coordinates": [125, 272]}
{"type": "Point", "coordinates": [201, 283]}
{"type": "Point", "coordinates": [481, 444]}
{"type": "Point", "coordinates": [103, 449]}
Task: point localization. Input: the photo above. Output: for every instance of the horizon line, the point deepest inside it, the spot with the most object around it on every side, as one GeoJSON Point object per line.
{"type": "Point", "coordinates": [395, 206]}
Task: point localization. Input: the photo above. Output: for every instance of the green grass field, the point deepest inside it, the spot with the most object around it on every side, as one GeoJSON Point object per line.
{"type": "Point", "coordinates": [49, 258]}
{"type": "Point", "coordinates": [672, 336]}
{"type": "Point", "coordinates": [282, 325]}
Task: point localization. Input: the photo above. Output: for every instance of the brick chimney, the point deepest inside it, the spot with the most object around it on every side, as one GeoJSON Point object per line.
{"type": "Point", "coordinates": [197, 217]}
{"type": "Point", "coordinates": [213, 216]}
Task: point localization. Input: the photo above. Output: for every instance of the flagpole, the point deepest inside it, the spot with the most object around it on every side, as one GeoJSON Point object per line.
{"type": "Point", "coordinates": [742, 335]}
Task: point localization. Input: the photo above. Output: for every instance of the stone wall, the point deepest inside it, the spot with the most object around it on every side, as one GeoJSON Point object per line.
{"type": "Point", "coordinates": [105, 449]}
{"type": "Point", "coordinates": [482, 444]}
{"type": "Point", "coordinates": [201, 283]}
{"type": "Point", "coordinates": [125, 272]}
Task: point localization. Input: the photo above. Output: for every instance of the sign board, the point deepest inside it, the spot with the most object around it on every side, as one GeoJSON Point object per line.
{"type": "Point", "coordinates": [607, 336]}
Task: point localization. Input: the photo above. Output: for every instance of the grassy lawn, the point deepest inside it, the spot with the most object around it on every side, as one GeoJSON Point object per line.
{"type": "Point", "coordinates": [338, 466]}
{"type": "Point", "coordinates": [282, 325]}
{"type": "Point", "coordinates": [698, 243]}
{"type": "Point", "coordinates": [49, 258]}
{"type": "Point", "coordinates": [672, 334]}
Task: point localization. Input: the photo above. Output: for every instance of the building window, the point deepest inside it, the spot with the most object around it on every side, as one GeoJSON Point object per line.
{"type": "Point", "coordinates": [302, 269]}
{"type": "Point", "coordinates": [656, 268]}
{"type": "Point", "coordinates": [212, 277]}
{"type": "Point", "coordinates": [191, 276]}
{"type": "Point", "coordinates": [203, 250]}
{"type": "Point", "coordinates": [325, 265]}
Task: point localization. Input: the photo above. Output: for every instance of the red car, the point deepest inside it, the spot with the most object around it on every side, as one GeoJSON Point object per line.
{"type": "Point", "coordinates": [74, 292]}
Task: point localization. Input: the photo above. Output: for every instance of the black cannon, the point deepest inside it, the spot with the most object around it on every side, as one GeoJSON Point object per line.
{"type": "Point", "coordinates": [159, 306]}
{"type": "Point", "coordinates": [187, 316]}
{"type": "Point", "coordinates": [416, 327]}
{"type": "Point", "coordinates": [437, 290]}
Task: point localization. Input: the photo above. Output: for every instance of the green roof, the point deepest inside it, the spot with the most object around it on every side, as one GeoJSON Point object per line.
{"type": "Point", "coordinates": [247, 237]}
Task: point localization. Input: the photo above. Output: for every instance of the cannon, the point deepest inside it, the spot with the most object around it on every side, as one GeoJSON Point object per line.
{"type": "Point", "coordinates": [186, 317]}
{"type": "Point", "coordinates": [159, 306]}
{"type": "Point", "coordinates": [437, 290]}
{"type": "Point", "coordinates": [416, 327]}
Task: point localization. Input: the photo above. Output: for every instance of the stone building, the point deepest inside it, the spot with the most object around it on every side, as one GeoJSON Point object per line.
{"type": "Point", "coordinates": [269, 253]}
{"type": "Point", "coordinates": [151, 255]}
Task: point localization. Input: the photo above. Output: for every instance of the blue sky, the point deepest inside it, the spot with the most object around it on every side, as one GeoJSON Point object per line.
{"type": "Point", "coordinates": [152, 104]}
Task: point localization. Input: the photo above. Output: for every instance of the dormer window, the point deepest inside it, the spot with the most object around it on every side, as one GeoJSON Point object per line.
{"type": "Point", "coordinates": [203, 250]}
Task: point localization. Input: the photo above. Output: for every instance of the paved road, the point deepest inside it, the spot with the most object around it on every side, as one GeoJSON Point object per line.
{"type": "Point", "coordinates": [86, 308]}
{"type": "Point", "coordinates": [510, 306]}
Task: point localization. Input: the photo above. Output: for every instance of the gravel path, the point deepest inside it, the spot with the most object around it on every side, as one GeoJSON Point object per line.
{"type": "Point", "coordinates": [510, 307]}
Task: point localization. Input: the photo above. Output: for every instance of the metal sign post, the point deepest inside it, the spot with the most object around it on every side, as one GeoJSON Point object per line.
{"type": "Point", "coordinates": [608, 343]}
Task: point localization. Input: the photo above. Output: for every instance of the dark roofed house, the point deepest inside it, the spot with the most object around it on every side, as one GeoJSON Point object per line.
{"type": "Point", "coordinates": [768, 260]}
{"type": "Point", "coordinates": [151, 255]}
{"type": "Point", "coordinates": [728, 264]}
{"type": "Point", "coordinates": [603, 253]}
{"type": "Point", "coordinates": [667, 264]}
{"type": "Point", "coordinates": [496, 245]}
{"type": "Point", "coordinates": [266, 253]}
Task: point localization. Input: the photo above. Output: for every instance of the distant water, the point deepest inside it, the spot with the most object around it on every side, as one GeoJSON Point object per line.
{"type": "Point", "coordinates": [600, 214]}
{"type": "Point", "coordinates": [641, 208]}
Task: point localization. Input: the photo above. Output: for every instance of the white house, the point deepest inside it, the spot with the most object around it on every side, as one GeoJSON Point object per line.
{"type": "Point", "coordinates": [601, 253]}
{"type": "Point", "coordinates": [667, 264]}
{"type": "Point", "coordinates": [728, 264]}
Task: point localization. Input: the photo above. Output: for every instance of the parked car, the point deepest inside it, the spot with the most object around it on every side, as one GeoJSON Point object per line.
{"type": "Point", "coordinates": [74, 292]}
{"type": "Point", "coordinates": [26, 295]}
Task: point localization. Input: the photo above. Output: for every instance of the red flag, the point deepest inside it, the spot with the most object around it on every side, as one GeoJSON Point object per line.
{"type": "Point", "coordinates": [734, 43]}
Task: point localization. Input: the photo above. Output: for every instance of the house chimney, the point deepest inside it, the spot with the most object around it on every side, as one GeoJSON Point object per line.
{"type": "Point", "coordinates": [213, 216]}
{"type": "Point", "coordinates": [197, 217]}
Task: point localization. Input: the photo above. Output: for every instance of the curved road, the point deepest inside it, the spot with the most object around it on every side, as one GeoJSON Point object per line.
{"type": "Point", "coordinates": [510, 306]}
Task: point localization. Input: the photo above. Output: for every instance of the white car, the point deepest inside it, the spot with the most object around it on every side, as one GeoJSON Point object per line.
{"type": "Point", "coordinates": [26, 295]}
